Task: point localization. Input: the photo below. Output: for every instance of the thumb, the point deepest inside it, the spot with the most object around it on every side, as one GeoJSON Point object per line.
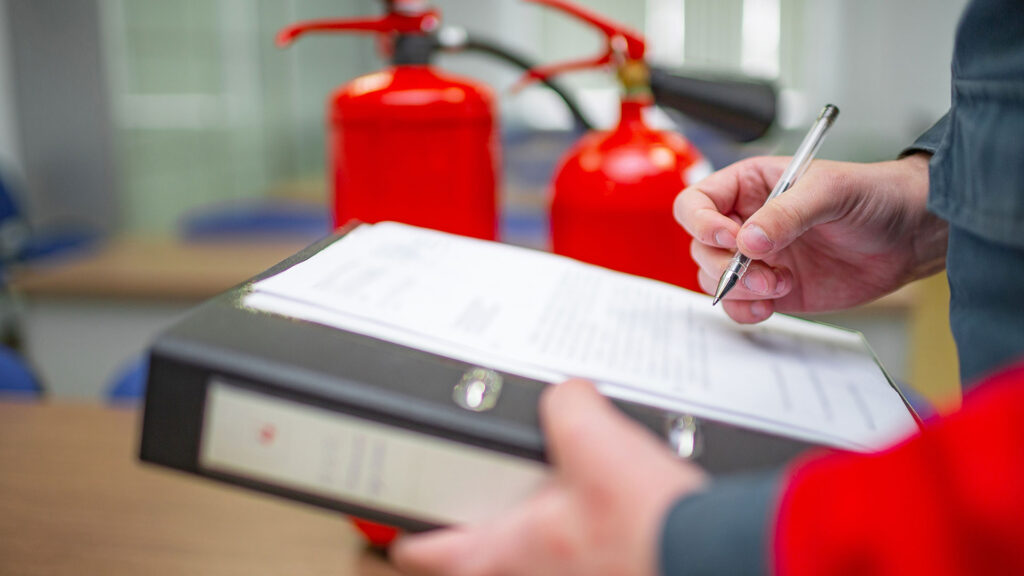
{"type": "Point", "coordinates": [586, 434]}
{"type": "Point", "coordinates": [813, 200]}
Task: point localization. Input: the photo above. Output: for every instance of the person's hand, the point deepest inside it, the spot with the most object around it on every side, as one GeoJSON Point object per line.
{"type": "Point", "coordinates": [844, 235]}
{"type": "Point", "coordinates": [601, 513]}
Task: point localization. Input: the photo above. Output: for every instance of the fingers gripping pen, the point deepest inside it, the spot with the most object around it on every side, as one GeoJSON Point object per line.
{"type": "Point", "coordinates": [797, 166]}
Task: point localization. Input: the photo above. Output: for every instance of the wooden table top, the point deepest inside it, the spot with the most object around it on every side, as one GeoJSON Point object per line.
{"type": "Point", "coordinates": [153, 269]}
{"type": "Point", "coordinates": [75, 500]}
{"type": "Point", "coordinates": [169, 269]}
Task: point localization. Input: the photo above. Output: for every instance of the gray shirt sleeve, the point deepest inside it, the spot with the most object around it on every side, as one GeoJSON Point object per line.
{"type": "Point", "coordinates": [929, 141]}
{"type": "Point", "coordinates": [724, 529]}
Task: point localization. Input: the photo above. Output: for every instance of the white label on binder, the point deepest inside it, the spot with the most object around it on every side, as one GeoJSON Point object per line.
{"type": "Point", "coordinates": [353, 460]}
{"type": "Point", "coordinates": [550, 317]}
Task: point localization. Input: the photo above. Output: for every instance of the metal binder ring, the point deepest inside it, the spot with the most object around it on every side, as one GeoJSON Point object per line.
{"type": "Point", "coordinates": [683, 436]}
{"type": "Point", "coordinates": [478, 390]}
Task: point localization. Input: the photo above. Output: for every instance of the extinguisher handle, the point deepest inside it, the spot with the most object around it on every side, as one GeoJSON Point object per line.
{"type": "Point", "coordinates": [743, 108]}
{"type": "Point", "coordinates": [545, 72]}
{"type": "Point", "coordinates": [635, 45]}
{"type": "Point", "coordinates": [621, 43]}
{"type": "Point", "coordinates": [393, 22]}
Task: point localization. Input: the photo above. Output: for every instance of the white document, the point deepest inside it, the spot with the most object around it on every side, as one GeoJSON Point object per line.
{"type": "Point", "coordinates": [548, 317]}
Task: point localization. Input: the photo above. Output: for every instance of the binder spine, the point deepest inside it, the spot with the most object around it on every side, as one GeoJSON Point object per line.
{"type": "Point", "coordinates": [358, 462]}
{"type": "Point", "coordinates": [213, 422]}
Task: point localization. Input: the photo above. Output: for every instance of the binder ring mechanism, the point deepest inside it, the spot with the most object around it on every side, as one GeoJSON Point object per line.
{"type": "Point", "coordinates": [683, 436]}
{"type": "Point", "coordinates": [478, 390]}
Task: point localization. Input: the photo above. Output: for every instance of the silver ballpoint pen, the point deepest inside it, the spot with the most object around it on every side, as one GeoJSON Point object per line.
{"type": "Point", "coordinates": [797, 166]}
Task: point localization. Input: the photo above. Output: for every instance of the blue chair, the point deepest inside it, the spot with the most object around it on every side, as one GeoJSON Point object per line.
{"type": "Point", "coordinates": [256, 219]}
{"type": "Point", "coordinates": [16, 378]}
{"type": "Point", "coordinates": [130, 381]}
{"type": "Point", "coordinates": [19, 243]}
{"type": "Point", "coordinates": [29, 245]}
{"type": "Point", "coordinates": [8, 208]}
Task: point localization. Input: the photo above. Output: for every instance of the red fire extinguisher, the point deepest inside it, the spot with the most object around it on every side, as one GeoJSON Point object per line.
{"type": "Point", "coordinates": [410, 143]}
{"type": "Point", "coordinates": [611, 202]}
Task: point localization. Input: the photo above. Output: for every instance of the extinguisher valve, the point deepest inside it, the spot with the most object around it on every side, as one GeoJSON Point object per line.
{"type": "Point", "coordinates": [395, 21]}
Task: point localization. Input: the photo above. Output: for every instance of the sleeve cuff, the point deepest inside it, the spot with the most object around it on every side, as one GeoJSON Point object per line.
{"type": "Point", "coordinates": [724, 529]}
{"type": "Point", "coordinates": [929, 141]}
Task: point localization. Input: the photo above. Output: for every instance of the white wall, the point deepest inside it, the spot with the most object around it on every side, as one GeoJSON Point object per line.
{"type": "Point", "coordinates": [10, 158]}
{"type": "Point", "coordinates": [885, 63]}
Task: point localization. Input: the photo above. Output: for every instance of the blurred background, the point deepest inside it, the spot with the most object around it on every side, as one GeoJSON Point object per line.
{"type": "Point", "coordinates": [124, 122]}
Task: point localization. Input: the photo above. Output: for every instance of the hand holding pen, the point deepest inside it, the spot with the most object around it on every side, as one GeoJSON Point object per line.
{"type": "Point", "coordinates": [801, 160]}
{"type": "Point", "coordinates": [844, 234]}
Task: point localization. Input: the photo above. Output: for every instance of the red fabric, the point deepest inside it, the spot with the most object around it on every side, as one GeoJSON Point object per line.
{"type": "Point", "coordinates": [947, 501]}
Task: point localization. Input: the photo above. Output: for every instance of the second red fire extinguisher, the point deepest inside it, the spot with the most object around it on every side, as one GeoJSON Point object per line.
{"type": "Point", "coordinates": [612, 192]}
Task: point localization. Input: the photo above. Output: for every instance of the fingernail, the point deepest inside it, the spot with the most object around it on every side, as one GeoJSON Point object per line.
{"type": "Point", "coordinates": [781, 282]}
{"type": "Point", "coordinates": [756, 240]}
{"type": "Point", "coordinates": [756, 282]}
{"type": "Point", "coordinates": [724, 240]}
{"type": "Point", "coordinates": [758, 309]}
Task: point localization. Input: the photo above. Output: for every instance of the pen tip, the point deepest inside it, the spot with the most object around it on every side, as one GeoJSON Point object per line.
{"type": "Point", "coordinates": [725, 284]}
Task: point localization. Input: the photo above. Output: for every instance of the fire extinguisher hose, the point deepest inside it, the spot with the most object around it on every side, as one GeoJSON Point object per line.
{"type": "Point", "coordinates": [742, 108]}
{"type": "Point", "coordinates": [458, 40]}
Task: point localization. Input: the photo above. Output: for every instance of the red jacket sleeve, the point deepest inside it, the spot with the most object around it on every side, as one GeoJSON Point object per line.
{"type": "Point", "coordinates": [947, 501]}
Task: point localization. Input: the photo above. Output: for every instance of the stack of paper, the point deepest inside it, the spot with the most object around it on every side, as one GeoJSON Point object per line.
{"type": "Point", "coordinates": [548, 317]}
